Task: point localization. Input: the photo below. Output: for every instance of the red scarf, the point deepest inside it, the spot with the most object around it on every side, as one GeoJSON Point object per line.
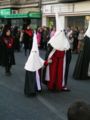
{"type": "Point", "coordinates": [29, 32]}
{"type": "Point", "coordinates": [8, 42]}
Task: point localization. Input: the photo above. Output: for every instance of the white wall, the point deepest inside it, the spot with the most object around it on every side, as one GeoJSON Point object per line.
{"type": "Point", "coordinates": [72, 9]}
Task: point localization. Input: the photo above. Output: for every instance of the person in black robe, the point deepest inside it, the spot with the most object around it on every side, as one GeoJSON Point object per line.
{"type": "Point", "coordinates": [32, 67]}
{"type": "Point", "coordinates": [7, 48]}
{"type": "Point", "coordinates": [82, 64]}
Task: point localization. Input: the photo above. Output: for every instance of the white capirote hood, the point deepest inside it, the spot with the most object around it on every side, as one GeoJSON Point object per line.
{"type": "Point", "coordinates": [59, 41]}
{"type": "Point", "coordinates": [34, 62]}
{"type": "Point", "coordinates": [87, 33]}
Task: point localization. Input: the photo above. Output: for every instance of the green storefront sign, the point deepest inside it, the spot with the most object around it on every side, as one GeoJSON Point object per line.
{"type": "Point", "coordinates": [28, 15]}
{"type": "Point", "coordinates": [34, 15]}
{"type": "Point", "coordinates": [16, 16]}
{"type": "Point", "coordinates": [5, 12]}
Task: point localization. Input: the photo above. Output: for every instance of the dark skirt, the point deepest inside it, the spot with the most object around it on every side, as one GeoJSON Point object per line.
{"type": "Point", "coordinates": [77, 74]}
{"type": "Point", "coordinates": [82, 64]}
{"type": "Point", "coordinates": [81, 67]}
{"type": "Point", "coordinates": [30, 83]}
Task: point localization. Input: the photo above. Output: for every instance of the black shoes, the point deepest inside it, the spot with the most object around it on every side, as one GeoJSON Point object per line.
{"type": "Point", "coordinates": [8, 73]}
{"type": "Point", "coordinates": [31, 95]}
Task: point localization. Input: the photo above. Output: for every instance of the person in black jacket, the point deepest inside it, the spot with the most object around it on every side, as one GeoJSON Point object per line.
{"type": "Point", "coordinates": [27, 38]}
{"type": "Point", "coordinates": [7, 47]}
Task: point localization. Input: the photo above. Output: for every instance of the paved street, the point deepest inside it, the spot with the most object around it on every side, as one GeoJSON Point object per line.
{"type": "Point", "coordinates": [47, 105]}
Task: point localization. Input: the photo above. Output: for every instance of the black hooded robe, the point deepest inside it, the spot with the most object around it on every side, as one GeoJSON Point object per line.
{"type": "Point", "coordinates": [30, 83]}
{"type": "Point", "coordinates": [82, 64]}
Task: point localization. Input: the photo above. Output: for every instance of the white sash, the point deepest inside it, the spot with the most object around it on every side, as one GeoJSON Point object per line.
{"type": "Point", "coordinates": [38, 81]}
{"type": "Point", "coordinates": [47, 76]}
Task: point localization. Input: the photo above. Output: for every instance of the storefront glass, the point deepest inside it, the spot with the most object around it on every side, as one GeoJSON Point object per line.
{"type": "Point", "coordinates": [76, 21]}
{"type": "Point", "coordinates": [51, 22]}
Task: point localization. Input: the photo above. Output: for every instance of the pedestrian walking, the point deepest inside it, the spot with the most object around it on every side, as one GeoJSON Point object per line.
{"type": "Point", "coordinates": [27, 38]}
{"type": "Point", "coordinates": [39, 37]}
{"type": "Point", "coordinates": [32, 66]}
{"type": "Point", "coordinates": [55, 61]}
{"type": "Point", "coordinates": [82, 65]}
{"type": "Point", "coordinates": [46, 36]}
{"type": "Point", "coordinates": [7, 47]}
{"type": "Point", "coordinates": [16, 36]}
{"type": "Point", "coordinates": [68, 59]}
{"type": "Point", "coordinates": [80, 40]}
{"type": "Point", "coordinates": [75, 37]}
{"type": "Point", "coordinates": [53, 30]}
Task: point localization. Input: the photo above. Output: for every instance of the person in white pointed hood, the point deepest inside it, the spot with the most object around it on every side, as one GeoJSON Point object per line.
{"type": "Point", "coordinates": [55, 59]}
{"type": "Point", "coordinates": [32, 66]}
{"type": "Point", "coordinates": [82, 67]}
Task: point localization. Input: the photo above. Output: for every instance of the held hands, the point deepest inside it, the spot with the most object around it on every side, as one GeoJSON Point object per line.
{"type": "Point", "coordinates": [49, 61]}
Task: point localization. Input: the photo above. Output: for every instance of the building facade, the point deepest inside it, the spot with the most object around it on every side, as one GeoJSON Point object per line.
{"type": "Point", "coordinates": [17, 11]}
{"type": "Point", "coordinates": [73, 13]}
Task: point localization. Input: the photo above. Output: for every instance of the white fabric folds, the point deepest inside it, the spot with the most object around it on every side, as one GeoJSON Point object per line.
{"type": "Point", "coordinates": [34, 62]}
{"type": "Point", "coordinates": [87, 33]}
{"type": "Point", "coordinates": [59, 41]}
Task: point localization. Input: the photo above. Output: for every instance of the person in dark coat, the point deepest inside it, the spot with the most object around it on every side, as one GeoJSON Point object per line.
{"type": "Point", "coordinates": [16, 36]}
{"type": "Point", "coordinates": [75, 42]}
{"type": "Point", "coordinates": [7, 47]}
{"type": "Point", "coordinates": [81, 70]}
{"type": "Point", "coordinates": [27, 38]}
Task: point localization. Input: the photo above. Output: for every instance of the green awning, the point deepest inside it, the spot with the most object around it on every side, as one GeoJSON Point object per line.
{"type": "Point", "coordinates": [35, 15]}
{"type": "Point", "coordinates": [1, 16]}
{"type": "Point", "coordinates": [16, 16]}
{"type": "Point", "coordinates": [28, 15]}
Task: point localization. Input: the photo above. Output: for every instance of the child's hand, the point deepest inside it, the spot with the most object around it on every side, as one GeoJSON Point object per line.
{"type": "Point", "coordinates": [49, 61]}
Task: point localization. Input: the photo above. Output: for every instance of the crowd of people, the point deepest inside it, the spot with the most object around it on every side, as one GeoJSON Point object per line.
{"type": "Point", "coordinates": [75, 35]}
{"type": "Point", "coordinates": [59, 46]}
{"type": "Point", "coordinates": [53, 70]}
{"type": "Point", "coordinates": [58, 52]}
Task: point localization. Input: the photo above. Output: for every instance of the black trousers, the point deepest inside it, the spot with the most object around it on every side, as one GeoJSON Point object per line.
{"type": "Point", "coordinates": [68, 60]}
{"type": "Point", "coordinates": [7, 68]}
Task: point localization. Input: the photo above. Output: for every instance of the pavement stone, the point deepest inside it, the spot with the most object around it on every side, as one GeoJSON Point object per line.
{"type": "Point", "coordinates": [46, 105]}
